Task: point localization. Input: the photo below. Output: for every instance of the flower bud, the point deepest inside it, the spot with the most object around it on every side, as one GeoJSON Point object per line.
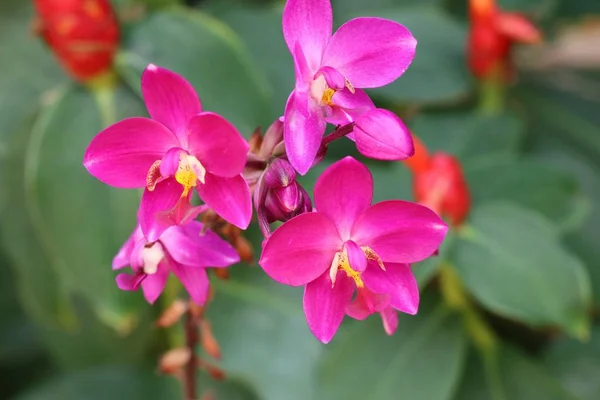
{"type": "Point", "coordinates": [273, 137]}
{"type": "Point", "coordinates": [443, 188]}
{"type": "Point", "coordinates": [285, 197]}
{"type": "Point", "coordinates": [83, 34]}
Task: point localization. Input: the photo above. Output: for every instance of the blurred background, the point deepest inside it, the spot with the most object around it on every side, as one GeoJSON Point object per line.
{"type": "Point", "coordinates": [508, 309]}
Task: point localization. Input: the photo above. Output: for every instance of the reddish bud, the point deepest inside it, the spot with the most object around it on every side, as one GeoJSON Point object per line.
{"type": "Point", "coordinates": [83, 34]}
{"type": "Point", "coordinates": [174, 360]}
{"type": "Point", "coordinates": [209, 342]}
{"type": "Point", "coordinates": [172, 314]}
{"type": "Point", "coordinates": [222, 273]}
{"type": "Point", "coordinates": [442, 187]}
{"type": "Point", "coordinates": [419, 161]}
{"type": "Point", "coordinates": [244, 250]}
{"type": "Point", "coordinates": [491, 37]}
{"type": "Point", "coordinates": [215, 372]}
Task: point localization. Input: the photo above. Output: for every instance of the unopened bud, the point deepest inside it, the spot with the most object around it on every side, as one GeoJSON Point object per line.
{"type": "Point", "coordinates": [215, 372]}
{"type": "Point", "coordinates": [172, 314]}
{"type": "Point", "coordinates": [244, 249]}
{"type": "Point", "coordinates": [273, 137]}
{"type": "Point", "coordinates": [222, 273]}
{"type": "Point", "coordinates": [209, 342]}
{"type": "Point", "coordinates": [83, 34]}
{"type": "Point", "coordinates": [174, 360]}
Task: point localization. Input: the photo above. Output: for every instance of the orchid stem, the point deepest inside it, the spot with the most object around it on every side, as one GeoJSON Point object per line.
{"type": "Point", "coordinates": [492, 93]}
{"type": "Point", "coordinates": [192, 337]}
{"type": "Point", "coordinates": [338, 133]}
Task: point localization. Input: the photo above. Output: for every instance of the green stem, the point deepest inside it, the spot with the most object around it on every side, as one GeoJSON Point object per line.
{"type": "Point", "coordinates": [103, 88]}
{"type": "Point", "coordinates": [492, 93]}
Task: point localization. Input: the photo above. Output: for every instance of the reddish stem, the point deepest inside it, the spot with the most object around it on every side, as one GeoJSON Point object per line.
{"type": "Point", "coordinates": [338, 133]}
{"type": "Point", "coordinates": [192, 338]}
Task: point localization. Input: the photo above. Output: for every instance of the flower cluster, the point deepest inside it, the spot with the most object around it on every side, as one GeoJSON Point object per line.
{"type": "Point", "coordinates": [352, 256]}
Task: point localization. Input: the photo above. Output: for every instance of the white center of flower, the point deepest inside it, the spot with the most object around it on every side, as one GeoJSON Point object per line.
{"type": "Point", "coordinates": [322, 93]}
{"type": "Point", "coordinates": [151, 257]}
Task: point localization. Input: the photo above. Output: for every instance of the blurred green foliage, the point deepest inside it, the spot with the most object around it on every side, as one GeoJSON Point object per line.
{"type": "Point", "coordinates": [528, 255]}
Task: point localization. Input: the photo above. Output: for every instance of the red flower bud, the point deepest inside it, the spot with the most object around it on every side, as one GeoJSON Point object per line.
{"type": "Point", "coordinates": [491, 37]}
{"type": "Point", "coordinates": [83, 34]}
{"type": "Point", "coordinates": [439, 183]}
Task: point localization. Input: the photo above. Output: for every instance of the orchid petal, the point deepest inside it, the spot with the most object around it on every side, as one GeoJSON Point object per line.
{"type": "Point", "coordinates": [303, 129]}
{"type": "Point", "coordinates": [389, 317]}
{"type": "Point", "coordinates": [380, 134]}
{"type": "Point", "coordinates": [356, 257]}
{"type": "Point", "coordinates": [217, 144]}
{"type": "Point", "coordinates": [332, 76]}
{"type": "Point", "coordinates": [308, 23]}
{"type": "Point", "coordinates": [195, 281]}
{"type": "Point", "coordinates": [189, 245]}
{"type": "Point", "coordinates": [343, 192]}
{"type": "Point", "coordinates": [154, 284]}
{"type": "Point", "coordinates": [130, 282]}
{"type": "Point", "coordinates": [122, 258]}
{"type": "Point", "coordinates": [164, 207]}
{"type": "Point", "coordinates": [170, 162]}
{"type": "Point", "coordinates": [398, 281]}
{"type": "Point", "coordinates": [122, 154]}
{"type": "Point", "coordinates": [366, 303]}
{"type": "Point", "coordinates": [170, 99]}
{"type": "Point", "coordinates": [370, 52]}
{"type": "Point", "coordinates": [400, 231]}
{"type": "Point", "coordinates": [349, 106]}
{"type": "Point", "coordinates": [301, 249]}
{"type": "Point", "coordinates": [301, 68]}
{"type": "Point", "coordinates": [325, 305]}
{"type": "Point", "coordinates": [228, 197]}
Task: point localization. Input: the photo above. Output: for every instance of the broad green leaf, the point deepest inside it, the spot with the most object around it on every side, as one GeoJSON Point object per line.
{"type": "Point", "coordinates": [576, 365]}
{"type": "Point", "coordinates": [511, 376]}
{"type": "Point", "coordinates": [352, 6]}
{"type": "Point", "coordinates": [422, 360]}
{"type": "Point", "coordinates": [260, 30]}
{"type": "Point", "coordinates": [263, 335]}
{"type": "Point", "coordinates": [208, 54]}
{"type": "Point", "coordinates": [469, 135]}
{"type": "Point", "coordinates": [438, 73]}
{"type": "Point", "coordinates": [543, 187]}
{"type": "Point", "coordinates": [531, 7]}
{"type": "Point", "coordinates": [512, 261]}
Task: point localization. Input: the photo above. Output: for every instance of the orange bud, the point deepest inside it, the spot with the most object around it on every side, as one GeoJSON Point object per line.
{"type": "Point", "coordinates": [174, 360]}
{"type": "Point", "coordinates": [215, 372]}
{"type": "Point", "coordinates": [172, 314]}
{"type": "Point", "coordinates": [244, 249]}
{"type": "Point", "coordinates": [209, 342]}
{"type": "Point", "coordinates": [83, 34]}
{"type": "Point", "coordinates": [222, 273]}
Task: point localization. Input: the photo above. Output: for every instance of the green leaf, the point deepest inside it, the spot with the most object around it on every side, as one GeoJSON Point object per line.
{"type": "Point", "coordinates": [354, 6]}
{"type": "Point", "coordinates": [265, 340]}
{"type": "Point", "coordinates": [512, 261]}
{"type": "Point", "coordinates": [469, 136]}
{"type": "Point", "coordinates": [577, 365]}
{"type": "Point", "coordinates": [512, 376]}
{"type": "Point", "coordinates": [543, 187]}
{"type": "Point", "coordinates": [208, 54]}
{"type": "Point", "coordinates": [535, 7]}
{"type": "Point", "coordinates": [438, 73]}
{"type": "Point", "coordinates": [422, 360]}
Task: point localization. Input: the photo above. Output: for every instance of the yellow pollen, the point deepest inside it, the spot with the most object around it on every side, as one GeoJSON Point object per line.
{"type": "Point", "coordinates": [340, 261]}
{"type": "Point", "coordinates": [327, 96]}
{"type": "Point", "coordinates": [186, 177]}
{"type": "Point", "coordinates": [371, 255]}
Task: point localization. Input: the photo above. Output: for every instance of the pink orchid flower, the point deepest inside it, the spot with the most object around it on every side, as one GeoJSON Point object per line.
{"type": "Point", "coordinates": [185, 250]}
{"type": "Point", "coordinates": [180, 148]}
{"type": "Point", "coordinates": [349, 245]}
{"type": "Point", "coordinates": [330, 72]}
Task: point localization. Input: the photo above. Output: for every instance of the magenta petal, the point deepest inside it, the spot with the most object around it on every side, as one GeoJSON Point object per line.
{"type": "Point", "coordinates": [301, 249]}
{"type": "Point", "coordinates": [170, 162]}
{"type": "Point", "coordinates": [343, 192]}
{"type": "Point", "coordinates": [332, 76]}
{"type": "Point", "coordinates": [397, 280]}
{"type": "Point", "coordinates": [217, 144]}
{"type": "Point", "coordinates": [130, 282]}
{"type": "Point", "coordinates": [389, 317]}
{"type": "Point", "coordinates": [302, 132]}
{"type": "Point", "coordinates": [380, 134]}
{"type": "Point", "coordinates": [370, 52]}
{"type": "Point", "coordinates": [303, 71]}
{"type": "Point", "coordinates": [164, 207]}
{"type": "Point", "coordinates": [122, 258]}
{"type": "Point", "coordinates": [170, 99]}
{"type": "Point", "coordinates": [325, 305]}
{"type": "Point", "coordinates": [195, 281]}
{"type": "Point", "coordinates": [400, 231]}
{"type": "Point", "coordinates": [366, 303]}
{"type": "Point", "coordinates": [154, 284]}
{"type": "Point", "coordinates": [122, 154]}
{"type": "Point", "coordinates": [356, 257]}
{"type": "Point", "coordinates": [228, 197]}
{"type": "Point", "coordinates": [188, 245]}
{"type": "Point", "coordinates": [349, 106]}
{"type": "Point", "coordinates": [308, 23]}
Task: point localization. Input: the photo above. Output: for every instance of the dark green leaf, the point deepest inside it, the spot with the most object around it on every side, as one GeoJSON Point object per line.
{"type": "Point", "coordinates": [208, 54]}
{"type": "Point", "coordinates": [512, 261]}
{"type": "Point", "coordinates": [423, 360]}
{"type": "Point", "coordinates": [577, 365]}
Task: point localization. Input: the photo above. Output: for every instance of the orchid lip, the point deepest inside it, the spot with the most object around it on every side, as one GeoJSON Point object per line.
{"type": "Point", "coordinates": [341, 261]}
{"type": "Point", "coordinates": [189, 172]}
{"type": "Point", "coordinates": [152, 255]}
